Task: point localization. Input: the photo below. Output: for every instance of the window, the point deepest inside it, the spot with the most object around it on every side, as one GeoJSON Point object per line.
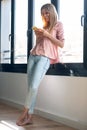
{"type": "Point", "coordinates": [70, 15]}
{"type": "Point", "coordinates": [74, 54]}
{"type": "Point", "coordinates": [20, 31]}
{"type": "Point", "coordinates": [17, 38]}
{"type": "Point", "coordinates": [5, 31]}
{"type": "Point", "coordinates": [14, 38]}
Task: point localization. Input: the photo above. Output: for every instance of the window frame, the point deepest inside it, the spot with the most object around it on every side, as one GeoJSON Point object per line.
{"type": "Point", "coordinates": [78, 69]}
{"type": "Point", "coordinates": [18, 68]}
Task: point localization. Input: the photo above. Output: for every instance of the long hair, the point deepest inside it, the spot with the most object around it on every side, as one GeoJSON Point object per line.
{"type": "Point", "coordinates": [53, 14]}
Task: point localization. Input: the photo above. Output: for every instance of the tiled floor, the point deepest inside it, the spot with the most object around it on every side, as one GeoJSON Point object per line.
{"type": "Point", "coordinates": [9, 115]}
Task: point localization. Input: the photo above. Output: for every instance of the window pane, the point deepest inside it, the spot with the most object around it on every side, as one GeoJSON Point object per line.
{"type": "Point", "coordinates": [5, 31]}
{"type": "Point", "coordinates": [20, 34]}
{"type": "Point", "coordinates": [70, 15]}
{"type": "Point", "coordinates": [37, 21]}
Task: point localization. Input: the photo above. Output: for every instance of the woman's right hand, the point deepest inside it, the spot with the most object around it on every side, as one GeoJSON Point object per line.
{"type": "Point", "coordinates": [39, 35]}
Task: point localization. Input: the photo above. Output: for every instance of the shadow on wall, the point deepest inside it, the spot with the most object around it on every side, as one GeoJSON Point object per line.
{"type": "Point", "coordinates": [60, 69]}
{"type": "Point", "coordinates": [68, 69]}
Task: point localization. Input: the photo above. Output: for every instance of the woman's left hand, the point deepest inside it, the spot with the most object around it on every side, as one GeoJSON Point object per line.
{"type": "Point", "coordinates": [41, 32]}
{"type": "Point", "coordinates": [46, 33]}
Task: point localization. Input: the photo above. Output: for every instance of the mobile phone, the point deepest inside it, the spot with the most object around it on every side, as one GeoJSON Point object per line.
{"type": "Point", "coordinates": [34, 28]}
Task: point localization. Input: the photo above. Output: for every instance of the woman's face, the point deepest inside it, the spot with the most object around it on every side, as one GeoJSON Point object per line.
{"type": "Point", "coordinates": [45, 16]}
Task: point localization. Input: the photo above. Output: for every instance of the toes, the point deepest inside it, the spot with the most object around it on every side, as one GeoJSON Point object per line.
{"type": "Point", "coordinates": [26, 122]}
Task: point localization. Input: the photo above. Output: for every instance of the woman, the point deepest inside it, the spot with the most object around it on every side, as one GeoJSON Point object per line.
{"type": "Point", "coordinates": [44, 53]}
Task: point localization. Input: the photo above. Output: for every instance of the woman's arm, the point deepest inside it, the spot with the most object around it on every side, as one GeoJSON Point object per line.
{"type": "Point", "coordinates": [53, 40]}
{"type": "Point", "coordinates": [40, 33]}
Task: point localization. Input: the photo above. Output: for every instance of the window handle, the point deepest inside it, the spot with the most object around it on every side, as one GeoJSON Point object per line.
{"type": "Point", "coordinates": [82, 20]}
{"type": "Point", "coordinates": [9, 37]}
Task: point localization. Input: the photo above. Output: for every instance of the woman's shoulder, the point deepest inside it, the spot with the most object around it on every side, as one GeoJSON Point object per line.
{"type": "Point", "coordinates": [58, 24]}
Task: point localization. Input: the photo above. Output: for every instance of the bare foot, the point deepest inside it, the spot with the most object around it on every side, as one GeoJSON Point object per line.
{"type": "Point", "coordinates": [23, 116]}
{"type": "Point", "coordinates": [26, 121]}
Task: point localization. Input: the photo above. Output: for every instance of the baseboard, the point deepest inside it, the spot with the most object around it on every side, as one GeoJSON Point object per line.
{"type": "Point", "coordinates": [72, 123]}
{"type": "Point", "coordinates": [11, 103]}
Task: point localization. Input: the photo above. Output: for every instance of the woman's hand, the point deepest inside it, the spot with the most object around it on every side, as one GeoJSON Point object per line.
{"type": "Point", "coordinates": [55, 41]}
{"type": "Point", "coordinates": [39, 32]}
{"type": "Point", "coordinates": [39, 35]}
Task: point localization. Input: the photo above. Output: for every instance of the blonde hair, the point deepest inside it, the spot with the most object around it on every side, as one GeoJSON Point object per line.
{"type": "Point", "coordinates": [53, 14]}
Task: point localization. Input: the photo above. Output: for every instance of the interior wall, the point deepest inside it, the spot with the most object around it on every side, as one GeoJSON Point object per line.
{"type": "Point", "coordinates": [62, 96]}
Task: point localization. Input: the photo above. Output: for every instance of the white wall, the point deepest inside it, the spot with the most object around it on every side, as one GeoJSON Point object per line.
{"type": "Point", "coordinates": [60, 98]}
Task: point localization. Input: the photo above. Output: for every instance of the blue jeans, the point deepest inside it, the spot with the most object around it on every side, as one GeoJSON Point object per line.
{"type": "Point", "coordinates": [36, 70]}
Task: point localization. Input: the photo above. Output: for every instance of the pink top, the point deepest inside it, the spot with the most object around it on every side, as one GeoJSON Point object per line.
{"type": "Point", "coordinates": [46, 48]}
